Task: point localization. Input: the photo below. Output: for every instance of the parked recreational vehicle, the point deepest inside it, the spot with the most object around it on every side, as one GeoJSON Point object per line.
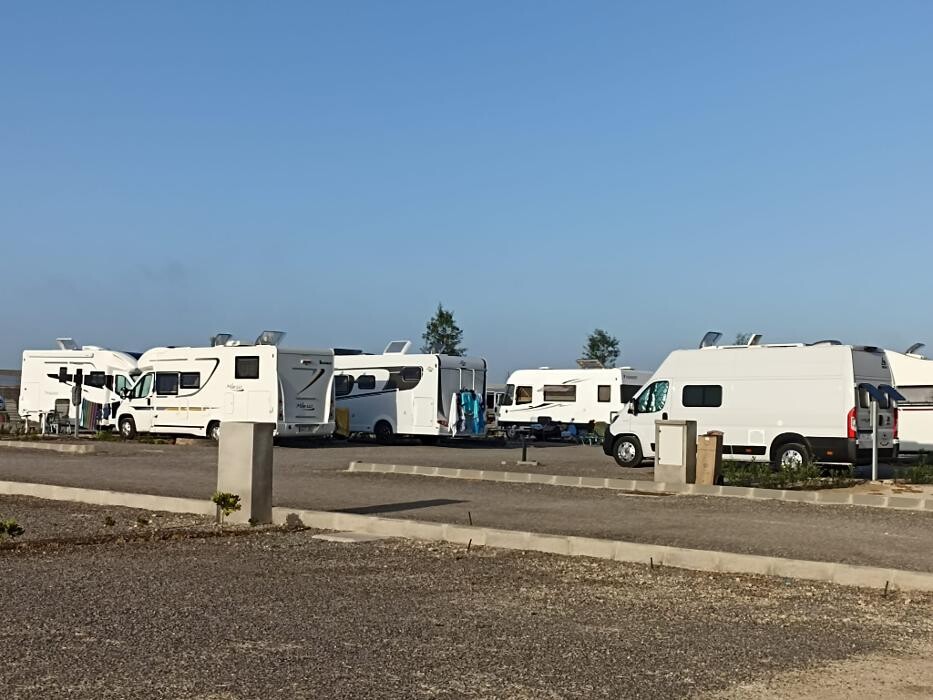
{"type": "Point", "coordinates": [397, 393]}
{"type": "Point", "coordinates": [567, 396]}
{"type": "Point", "coordinates": [783, 403]}
{"type": "Point", "coordinates": [913, 378]}
{"type": "Point", "coordinates": [49, 376]}
{"type": "Point", "coordinates": [192, 391]}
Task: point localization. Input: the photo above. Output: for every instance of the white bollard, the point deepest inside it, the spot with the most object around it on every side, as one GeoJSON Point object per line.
{"type": "Point", "coordinates": [244, 468]}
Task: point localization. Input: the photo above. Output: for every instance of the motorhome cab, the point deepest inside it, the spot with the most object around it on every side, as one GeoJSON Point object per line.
{"type": "Point", "coordinates": [567, 396]}
{"type": "Point", "coordinates": [913, 378]}
{"type": "Point", "coordinates": [397, 393]}
{"type": "Point", "coordinates": [193, 391]}
{"type": "Point", "coordinates": [48, 376]}
{"type": "Point", "coordinates": [783, 403]}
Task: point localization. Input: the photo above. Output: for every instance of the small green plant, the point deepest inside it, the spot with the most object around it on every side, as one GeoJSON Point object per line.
{"type": "Point", "coordinates": [142, 520]}
{"type": "Point", "coordinates": [10, 528]}
{"type": "Point", "coordinates": [919, 474]}
{"type": "Point", "coordinates": [106, 436]}
{"type": "Point", "coordinates": [109, 521]}
{"type": "Point", "coordinates": [226, 504]}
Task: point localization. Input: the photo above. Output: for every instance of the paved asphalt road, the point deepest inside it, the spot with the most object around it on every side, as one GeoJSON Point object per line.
{"type": "Point", "coordinates": [308, 478]}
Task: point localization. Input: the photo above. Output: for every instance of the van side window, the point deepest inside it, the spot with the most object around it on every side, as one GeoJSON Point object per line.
{"type": "Point", "coordinates": [247, 367]}
{"type": "Point", "coordinates": [560, 392]}
{"type": "Point", "coordinates": [604, 393]}
{"type": "Point", "coordinates": [95, 380]}
{"type": "Point", "coordinates": [190, 380]}
{"type": "Point", "coordinates": [120, 384]}
{"type": "Point", "coordinates": [509, 396]}
{"type": "Point", "coordinates": [628, 391]}
{"type": "Point", "coordinates": [522, 394]}
{"type": "Point", "coordinates": [915, 395]}
{"type": "Point", "coordinates": [343, 384]}
{"type": "Point", "coordinates": [166, 383]}
{"type": "Point", "coordinates": [653, 398]}
{"type": "Point", "coordinates": [702, 395]}
{"type": "Point", "coordinates": [366, 382]}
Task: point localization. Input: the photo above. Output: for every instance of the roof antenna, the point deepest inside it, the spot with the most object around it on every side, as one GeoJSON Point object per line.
{"type": "Point", "coordinates": [710, 339]}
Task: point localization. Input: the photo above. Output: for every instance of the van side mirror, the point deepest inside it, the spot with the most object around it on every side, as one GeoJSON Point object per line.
{"type": "Point", "coordinates": [632, 409]}
{"type": "Point", "coordinates": [124, 393]}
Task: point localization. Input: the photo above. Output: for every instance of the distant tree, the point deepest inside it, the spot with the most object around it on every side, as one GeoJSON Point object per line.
{"type": "Point", "coordinates": [442, 335]}
{"type": "Point", "coordinates": [603, 347]}
{"type": "Point", "coordinates": [742, 338]}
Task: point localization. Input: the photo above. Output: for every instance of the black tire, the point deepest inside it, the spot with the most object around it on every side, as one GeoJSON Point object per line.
{"type": "Point", "coordinates": [626, 450]}
{"type": "Point", "coordinates": [794, 453]}
{"type": "Point", "coordinates": [213, 430]}
{"type": "Point", "coordinates": [127, 428]}
{"type": "Point", "coordinates": [383, 432]}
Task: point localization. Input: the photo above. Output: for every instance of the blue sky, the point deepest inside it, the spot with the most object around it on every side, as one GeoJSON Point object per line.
{"type": "Point", "coordinates": [173, 169]}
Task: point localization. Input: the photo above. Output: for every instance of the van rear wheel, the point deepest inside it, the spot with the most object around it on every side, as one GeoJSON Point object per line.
{"type": "Point", "coordinates": [627, 451]}
{"type": "Point", "coordinates": [792, 454]}
{"type": "Point", "coordinates": [213, 431]}
{"type": "Point", "coordinates": [383, 432]}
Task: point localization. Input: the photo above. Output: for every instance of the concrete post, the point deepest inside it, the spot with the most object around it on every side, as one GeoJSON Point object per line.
{"type": "Point", "coordinates": [244, 468]}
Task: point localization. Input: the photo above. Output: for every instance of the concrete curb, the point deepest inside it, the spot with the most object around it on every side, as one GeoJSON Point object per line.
{"type": "Point", "coordinates": [50, 446]}
{"type": "Point", "coordinates": [142, 501]}
{"type": "Point", "coordinates": [827, 497]}
{"type": "Point", "coordinates": [616, 550]}
{"type": "Point", "coordinates": [568, 545]}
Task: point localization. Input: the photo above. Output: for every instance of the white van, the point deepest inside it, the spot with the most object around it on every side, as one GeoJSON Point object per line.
{"type": "Point", "coordinates": [913, 378]}
{"type": "Point", "coordinates": [778, 403]}
{"type": "Point", "coordinates": [49, 376]}
{"type": "Point", "coordinates": [567, 396]}
{"type": "Point", "coordinates": [396, 393]}
{"type": "Point", "coordinates": [192, 391]}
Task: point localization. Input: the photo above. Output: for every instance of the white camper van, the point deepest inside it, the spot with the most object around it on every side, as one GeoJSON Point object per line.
{"type": "Point", "coordinates": [913, 378]}
{"type": "Point", "coordinates": [49, 376]}
{"type": "Point", "coordinates": [397, 393]}
{"type": "Point", "coordinates": [192, 391]}
{"type": "Point", "coordinates": [567, 396]}
{"type": "Point", "coordinates": [778, 403]}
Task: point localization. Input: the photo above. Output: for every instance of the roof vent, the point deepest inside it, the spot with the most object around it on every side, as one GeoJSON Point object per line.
{"type": "Point", "coordinates": [826, 342]}
{"type": "Point", "coordinates": [220, 339]}
{"type": "Point", "coordinates": [66, 344]}
{"type": "Point", "coordinates": [915, 349]}
{"type": "Point", "coordinates": [397, 347]}
{"type": "Point", "coordinates": [589, 363]}
{"type": "Point", "coordinates": [710, 339]}
{"type": "Point", "coordinates": [270, 338]}
{"type": "Point", "coordinates": [753, 339]}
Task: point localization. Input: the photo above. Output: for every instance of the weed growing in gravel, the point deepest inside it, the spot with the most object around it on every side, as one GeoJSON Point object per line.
{"type": "Point", "coordinates": [10, 528]}
{"type": "Point", "coordinates": [226, 504]}
{"type": "Point", "coordinates": [790, 476]}
{"type": "Point", "coordinates": [106, 436]}
{"type": "Point", "coordinates": [109, 521]}
{"type": "Point", "coordinates": [919, 474]}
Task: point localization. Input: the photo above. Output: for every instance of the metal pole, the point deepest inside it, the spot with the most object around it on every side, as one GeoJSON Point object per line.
{"type": "Point", "coordinates": [524, 449]}
{"type": "Point", "coordinates": [874, 440]}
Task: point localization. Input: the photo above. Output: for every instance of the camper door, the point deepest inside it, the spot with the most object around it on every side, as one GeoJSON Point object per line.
{"type": "Point", "coordinates": [140, 402]}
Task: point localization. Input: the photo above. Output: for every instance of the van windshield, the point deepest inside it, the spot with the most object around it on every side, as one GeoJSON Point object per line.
{"type": "Point", "coordinates": [509, 395]}
{"type": "Point", "coordinates": [653, 398]}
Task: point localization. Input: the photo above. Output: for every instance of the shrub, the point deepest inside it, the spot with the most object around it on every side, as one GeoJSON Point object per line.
{"type": "Point", "coordinates": [226, 504]}
{"type": "Point", "coordinates": [919, 474]}
{"type": "Point", "coordinates": [10, 528]}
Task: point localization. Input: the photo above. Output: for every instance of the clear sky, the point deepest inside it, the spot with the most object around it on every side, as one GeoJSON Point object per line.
{"type": "Point", "coordinates": [173, 169]}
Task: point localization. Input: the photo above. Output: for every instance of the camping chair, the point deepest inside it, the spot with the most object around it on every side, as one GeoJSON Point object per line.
{"type": "Point", "coordinates": [598, 435]}
{"type": "Point", "coordinates": [61, 423]}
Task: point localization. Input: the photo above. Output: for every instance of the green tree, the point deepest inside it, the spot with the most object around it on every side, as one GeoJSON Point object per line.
{"type": "Point", "coordinates": [442, 335]}
{"type": "Point", "coordinates": [742, 338]}
{"type": "Point", "coordinates": [603, 347]}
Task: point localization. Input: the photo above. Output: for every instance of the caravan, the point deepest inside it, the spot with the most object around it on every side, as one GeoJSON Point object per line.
{"type": "Point", "coordinates": [779, 403]}
{"type": "Point", "coordinates": [913, 378]}
{"type": "Point", "coordinates": [396, 393]}
{"type": "Point", "coordinates": [567, 396]}
{"type": "Point", "coordinates": [48, 380]}
{"type": "Point", "coordinates": [193, 391]}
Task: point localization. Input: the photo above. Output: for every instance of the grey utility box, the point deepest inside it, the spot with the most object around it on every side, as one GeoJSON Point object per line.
{"type": "Point", "coordinates": [244, 468]}
{"type": "Point", "coordinates": [675, 451]}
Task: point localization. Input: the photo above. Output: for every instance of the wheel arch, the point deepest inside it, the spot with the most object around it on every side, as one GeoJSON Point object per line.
{"type": "Point", "coordinates": [785, 438]}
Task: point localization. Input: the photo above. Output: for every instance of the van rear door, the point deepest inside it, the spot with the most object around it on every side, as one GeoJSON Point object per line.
{"type": "Point", "coordinates": [305, 383]}
{"type": "Point", "coordinates": [871, 367]}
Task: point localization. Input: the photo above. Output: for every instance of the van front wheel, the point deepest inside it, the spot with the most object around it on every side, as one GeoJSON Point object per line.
{"type": "Point", "coordinates": [213, 431]}
{"type": "Point", "coordinates": [127, 428]}
{"type": "Point", "coordinates": [383, 432]}
{"type": "Point", "coordinates": [627, 451]}
{"type": "Point", "coordinates": [792, 454]}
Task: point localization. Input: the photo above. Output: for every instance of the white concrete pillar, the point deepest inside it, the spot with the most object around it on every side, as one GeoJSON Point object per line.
{"type": "Point", "coordinates": [244, 468]}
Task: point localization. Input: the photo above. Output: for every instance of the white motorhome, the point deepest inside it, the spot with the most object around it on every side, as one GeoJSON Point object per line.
{"type": "Point", "coordinates": [49, 376]}
{"type": "Point", "coordinates": [396, 393]}
{"type": "Point", "coordinates": [779, 403]}
{"type": "Point", "coordinates": [192, 390]}
{"type": "Point", "coordinates": [567, 396]}
{"type": "Point", "coordinates": [913, 377]}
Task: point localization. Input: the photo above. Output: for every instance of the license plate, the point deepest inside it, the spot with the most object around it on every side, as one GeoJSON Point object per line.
{"type": "Point", "coordinates": [305, 428]}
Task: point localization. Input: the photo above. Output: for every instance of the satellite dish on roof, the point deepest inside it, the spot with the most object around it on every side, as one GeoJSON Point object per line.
{"type": "Point", "coordinates": [66, 344]}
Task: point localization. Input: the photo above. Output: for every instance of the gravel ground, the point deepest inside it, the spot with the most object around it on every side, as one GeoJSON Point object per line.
{"type": "Point", "coordinates": [283, 615]}
{"type": "Point", "coordinates": [62, 520]}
